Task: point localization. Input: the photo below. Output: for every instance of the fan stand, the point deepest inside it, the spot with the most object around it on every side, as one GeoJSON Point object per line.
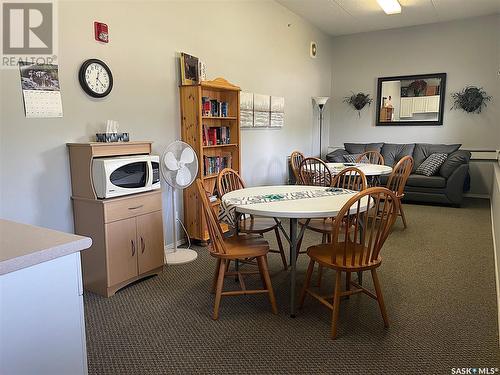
{"type": "Point", "coordinates": [175, 255]}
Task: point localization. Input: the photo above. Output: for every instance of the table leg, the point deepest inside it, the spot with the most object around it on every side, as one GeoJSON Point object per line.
{"type": "Point", "coordinates": [293, 262]}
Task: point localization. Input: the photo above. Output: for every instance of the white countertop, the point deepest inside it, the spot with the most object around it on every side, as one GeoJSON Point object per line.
{"type": "Point", "coordinates": [23, 246]}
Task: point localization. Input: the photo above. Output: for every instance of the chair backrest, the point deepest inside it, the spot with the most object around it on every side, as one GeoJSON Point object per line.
{"type": "Point", "coordinates": [350, 178]}
{"type": "Point", "coordinates": [315, 172]}
{"type": "Point", "coordinates": [361, 232]}
{"type": "Point", "coordinates": [374, 157]}
{"type": "Point", "coordinates": [399, 176]}
{"type": "Point", "coordinates": [295, 159]}
{"type": "Point", "coordinates": [214, 229]}
{"type": "Point", "coordinates": [229, 180]}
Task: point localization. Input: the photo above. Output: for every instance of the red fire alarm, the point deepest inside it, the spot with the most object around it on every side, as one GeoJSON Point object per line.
{"type": "Point", "coordinates": [101, 32]}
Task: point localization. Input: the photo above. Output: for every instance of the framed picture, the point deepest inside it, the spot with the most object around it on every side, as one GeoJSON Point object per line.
{"type": "Point", "coordinates": [189, 69]}
{"type": "Point", "coordinates": [411, 100]}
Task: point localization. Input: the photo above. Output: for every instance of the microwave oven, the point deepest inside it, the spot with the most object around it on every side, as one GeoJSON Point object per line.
{"type": "Point", "coordinates": [122, 175]}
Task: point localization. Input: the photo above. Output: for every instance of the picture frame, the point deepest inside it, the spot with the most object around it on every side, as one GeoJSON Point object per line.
{"type": "Point", "coordinates": [190, 74]}
{"type": "Point", "coordinates": [416, 100]}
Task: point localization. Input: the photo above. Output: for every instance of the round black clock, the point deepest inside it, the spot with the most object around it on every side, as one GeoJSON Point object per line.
{"type": "Point", "coordinates": [95, 78]}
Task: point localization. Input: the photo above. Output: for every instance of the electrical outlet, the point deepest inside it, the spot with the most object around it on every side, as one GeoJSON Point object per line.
{"type": "Point", "coordinates": [176, 214]}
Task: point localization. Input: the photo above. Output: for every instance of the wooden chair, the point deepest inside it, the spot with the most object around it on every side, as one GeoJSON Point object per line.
{"type": "Point", "coordinates": [349, 178]}
{"type": "Point", "coordinates": [374, 157]}
{"type": "Point", "coordinates": [315, 172]}
{"type": "Point", "coordinates": [234, 248]}
{"type": "Point", "coordinates": [397, 181]}
{"type": "Point", "coordinates": [355, 250]}
{"type": "Point", "coordinates": [295, 159]}
{"type": "Point", "coordinates": [229, 180]}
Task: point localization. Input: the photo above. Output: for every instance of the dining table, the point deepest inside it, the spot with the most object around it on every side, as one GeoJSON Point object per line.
{"type": "Point", "coordinates": [371, 171]}
{"type": "Point", "coordinates": [292, 202]}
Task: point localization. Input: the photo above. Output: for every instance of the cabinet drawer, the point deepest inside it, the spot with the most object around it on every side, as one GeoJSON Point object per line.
{"type": "Point", "coordinates": [130, 207]}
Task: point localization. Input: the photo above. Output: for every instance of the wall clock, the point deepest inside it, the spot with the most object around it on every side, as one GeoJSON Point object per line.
{"type": "Point", "coordinates": [95, 78]}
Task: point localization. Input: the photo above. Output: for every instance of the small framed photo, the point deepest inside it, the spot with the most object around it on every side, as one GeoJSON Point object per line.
{"type": "Point", "coordinates": [189, 69]}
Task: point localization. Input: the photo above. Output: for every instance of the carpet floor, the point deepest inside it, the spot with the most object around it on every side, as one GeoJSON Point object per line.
{"type": "Point", "coordinates": [439, 288]}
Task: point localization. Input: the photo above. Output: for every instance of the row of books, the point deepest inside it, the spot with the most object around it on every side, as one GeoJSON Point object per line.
{"type": "Point", "coordinates": [216, 135]}
{"type": "Point", "coordinates": [215, 164]}
{"type": "Point", "coordinates": [214, 107]}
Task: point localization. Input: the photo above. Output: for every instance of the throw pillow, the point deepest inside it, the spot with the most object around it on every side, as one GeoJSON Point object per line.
{"type": "Point", "coordinates": [351, 158]}
{"type": "Point", "coordinates": [431, 165]}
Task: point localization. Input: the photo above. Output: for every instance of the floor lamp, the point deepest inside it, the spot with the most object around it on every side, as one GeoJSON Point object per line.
{"type": "Point", "coordinates": [320, 102]}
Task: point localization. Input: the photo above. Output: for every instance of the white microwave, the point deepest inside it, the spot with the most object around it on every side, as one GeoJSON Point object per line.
{"type": "Point", "coordinates": [113, 177]}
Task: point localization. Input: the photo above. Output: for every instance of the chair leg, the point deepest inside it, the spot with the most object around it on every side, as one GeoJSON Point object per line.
{"type": "Point", "coordinates": [216, 276]}
{"type": "Point", "coordinates": [307, 282]}
{"type": "Point", "coordinates": [380, 298]}
{"type": "Point", "coordinates": [360, 277]}
{"type": "Point", "coordinates": [324, 239]}
{"type": "Point", "coordinates": [218, 290]}
{"type": "Point", "coordinates": [336, 303]}
{"type": "Point", "coordinates": [402, 213]}
{"type": "Point", "coordinates": [264, 271]}
{"type": "Point", "coordinates": [320, 275]}
{"type": "Point", "coordinates": [280, 247]}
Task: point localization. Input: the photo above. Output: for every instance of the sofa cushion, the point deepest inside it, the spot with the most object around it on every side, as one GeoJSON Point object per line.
{"type": "Point", "coordinates": [431, 165]}
{"type": "Point", "coordinates": [351, 158]}
{"type": "Point", "coordinates": [423, 150]}
{"type": "Point", "coordinates": [453, 161]}
{"type": "Point", "coordinates": [359, 148]}
{"type": "Point", "coordinates": [336, 156]}
{"type": "Point", "coordinates": [426, 181]}
{"type": "Point", "coordinates": [394, 152]}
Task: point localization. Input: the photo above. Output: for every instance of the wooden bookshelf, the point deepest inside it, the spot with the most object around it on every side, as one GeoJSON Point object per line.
{"type": "Point", "coordinates": [192, 121]}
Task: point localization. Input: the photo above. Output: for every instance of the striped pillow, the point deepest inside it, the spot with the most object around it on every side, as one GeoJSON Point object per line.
{"type": "Point", "coordinates": [431, 165]}
{"type": "Point", "coordinates": [351, 158]}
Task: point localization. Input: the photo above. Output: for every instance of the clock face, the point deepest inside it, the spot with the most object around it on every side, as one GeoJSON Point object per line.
{"type": "Point", "coordinates": [96, 78]}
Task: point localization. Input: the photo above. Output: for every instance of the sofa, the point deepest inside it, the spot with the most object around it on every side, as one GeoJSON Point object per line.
{"type": "Point", "coordinates": [447, 186]}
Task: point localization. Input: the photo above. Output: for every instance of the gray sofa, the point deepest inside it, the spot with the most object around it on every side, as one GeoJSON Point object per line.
{"type": "Point", "coordinates": [446, 187]}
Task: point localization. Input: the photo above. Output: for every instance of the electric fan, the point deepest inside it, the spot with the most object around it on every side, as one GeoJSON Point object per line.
{"type": "Point", "coordinates": [179, 167]}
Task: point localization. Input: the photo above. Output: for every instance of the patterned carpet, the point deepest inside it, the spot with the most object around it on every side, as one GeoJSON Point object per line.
{"type": "Point", "coordinates": [438, 283]}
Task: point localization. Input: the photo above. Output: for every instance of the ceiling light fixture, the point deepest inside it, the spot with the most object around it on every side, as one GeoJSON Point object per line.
{"type": "Point", "coordinates": [390, 6]}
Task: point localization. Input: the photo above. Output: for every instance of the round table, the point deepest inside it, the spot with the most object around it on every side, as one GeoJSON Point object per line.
{"type": "Point", "coordinates": [367, 169]}
{"type": "Point", "coordinates": [307, 208]}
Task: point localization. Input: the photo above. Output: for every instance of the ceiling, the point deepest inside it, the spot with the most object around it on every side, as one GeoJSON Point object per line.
{"type": "Point", "coordinates": [340, 17]}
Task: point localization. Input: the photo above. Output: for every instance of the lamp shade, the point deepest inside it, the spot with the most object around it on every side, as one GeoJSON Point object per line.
{"type": "Point", "coordinates": [320, 100]}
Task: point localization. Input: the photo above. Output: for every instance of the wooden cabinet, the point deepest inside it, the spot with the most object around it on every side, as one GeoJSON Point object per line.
{"type": "Point", "coordinates": [419, 104]}
{"type": "Point", "coordinates": [192, 123]}
{"type": "Point", "coordinates": [121, 245]}
{"type": "Point", "coordinates": [126, 246]}
{"type": "Point", "coordinates": [432, 104]}
{"type": "Point", "coordinates": [150, 241]}
{"type": "Point", "coordinates": [406, 109]}
{"type": "Point", "coordinates": [127, 231]}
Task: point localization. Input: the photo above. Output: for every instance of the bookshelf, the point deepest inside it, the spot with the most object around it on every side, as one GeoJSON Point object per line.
{"type": "Point", "coordinates": [195, 125]}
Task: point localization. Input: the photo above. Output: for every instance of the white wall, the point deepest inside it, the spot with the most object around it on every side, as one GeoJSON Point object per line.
{"type": "Point", "coordinates": [467, 50]}
{"type": "Point", "coordinates": [250, 43]}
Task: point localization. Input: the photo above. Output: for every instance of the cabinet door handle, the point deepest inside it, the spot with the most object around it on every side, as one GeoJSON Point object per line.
{"type": "Point", "coordinates": [133, 247]}
{"type": "Point", "coordinates": [143, 245]}
{"type": "Point", "coordinates": [136, 207]}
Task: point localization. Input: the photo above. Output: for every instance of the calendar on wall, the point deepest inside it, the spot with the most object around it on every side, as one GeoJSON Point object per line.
{"type": "Point", "coordinates": [41, 90]}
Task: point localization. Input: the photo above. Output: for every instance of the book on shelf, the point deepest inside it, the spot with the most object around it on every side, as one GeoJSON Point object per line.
{"type": "Point", "coordinates": [216, 135]}
{"type": "Point", "coordinates": [214, 164]}
{"type": "Point", "coordinates": [213, 107]}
